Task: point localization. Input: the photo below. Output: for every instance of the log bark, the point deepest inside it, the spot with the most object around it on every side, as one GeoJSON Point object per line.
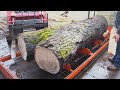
{"type": "Point", "coordinates": [51, 54]}
{"type": "Point", "coordinates": [27, 41]}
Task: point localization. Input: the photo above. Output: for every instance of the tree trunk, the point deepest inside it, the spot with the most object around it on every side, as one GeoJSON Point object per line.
{"type": "Point", "coordinates": [51, 54]}
{"type": "Point", "coordinates": [27, 41]}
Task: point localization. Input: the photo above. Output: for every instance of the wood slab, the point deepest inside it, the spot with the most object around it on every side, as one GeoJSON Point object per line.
{"type": "Point", "coordinates": [112, 43]}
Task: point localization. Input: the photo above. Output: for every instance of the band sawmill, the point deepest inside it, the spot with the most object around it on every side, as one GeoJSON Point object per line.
{"type": "Point", "coordinates": [61, 52]}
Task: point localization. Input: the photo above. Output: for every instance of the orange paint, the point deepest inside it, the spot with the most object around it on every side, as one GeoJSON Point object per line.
{"type": "Point", "coordinates": [9, 57]}
{"type": "Point", "coordinates": [98, 42]}
{"type": "Point", "coordinates": [84, 64]}
{"type": "Point", "coordinates": [85, 51]}
{"type": "Point", "coordinates": [7, 72]}
{"type": "Point", "coordinates": [68, 67]}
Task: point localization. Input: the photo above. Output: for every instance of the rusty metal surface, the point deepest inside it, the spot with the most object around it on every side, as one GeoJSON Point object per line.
{"type": "Point", "coordinates": [99, 69]}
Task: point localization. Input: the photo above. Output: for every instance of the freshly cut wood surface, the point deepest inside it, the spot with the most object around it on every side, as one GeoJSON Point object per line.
{"type": "Point", "coordinates": [27, 41]}
{"type": "Point", "coordinates": [47, 60]}
{"type": "Point", "coordinates": [112, 43]}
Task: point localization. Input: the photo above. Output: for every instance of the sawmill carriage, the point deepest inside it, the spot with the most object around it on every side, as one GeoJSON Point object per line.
{"type": "Point", "coordinates": [58, 49]}
{"type": "Point", "coordinates": [54, 47]}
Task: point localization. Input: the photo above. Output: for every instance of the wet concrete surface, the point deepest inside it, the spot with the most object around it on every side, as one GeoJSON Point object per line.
{"type": "Point", "coordinates": [30, 70]}
{"type": "Point", "coordinates": [99, 69]}
{"type": "Point", "coordinates": [26, 70]}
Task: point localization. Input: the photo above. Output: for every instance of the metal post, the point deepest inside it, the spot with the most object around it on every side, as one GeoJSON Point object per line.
{"type": "Point", "coordinates": [28, 15]}
{"type": "Point", "coordinates": [94, 13]}
{"type": "Point", "coordinates": [88, 14]}
{"type": "Point", "coordinates": [41, 16]}
{"type": "Point", "coordinates": [22, 18]}
{"type": "Point", "coordinates": [34, 18]}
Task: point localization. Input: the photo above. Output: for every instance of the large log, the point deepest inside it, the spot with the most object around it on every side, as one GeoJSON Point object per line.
{"type": "Point", "coordinates": [51, 54]}
{"type": "Point", "coordinates": [27, 41]}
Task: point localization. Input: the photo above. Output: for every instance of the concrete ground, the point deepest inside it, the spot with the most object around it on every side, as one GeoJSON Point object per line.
{"type": "Point", "coordinates": [99, 69]}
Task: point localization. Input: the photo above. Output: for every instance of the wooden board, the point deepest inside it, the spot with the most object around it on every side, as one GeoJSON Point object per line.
{"type": "Point", "coordinates": [112, 43]}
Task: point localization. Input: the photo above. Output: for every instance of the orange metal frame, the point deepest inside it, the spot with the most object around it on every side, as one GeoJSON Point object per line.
{"type": "Point", "coordinates": [5, 70]}
{"type": "Point", "coordinates": [84, 64]}
{"type": "Point", "coordinates": [10, 75]}
{"type": "Point", "coordinates": [9, 57]}
{"type": "Point", "coordinates": [85, 51]}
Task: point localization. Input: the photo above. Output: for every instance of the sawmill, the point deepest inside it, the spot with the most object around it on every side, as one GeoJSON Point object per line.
{"type": "Point", "coordinates": [57, 44]}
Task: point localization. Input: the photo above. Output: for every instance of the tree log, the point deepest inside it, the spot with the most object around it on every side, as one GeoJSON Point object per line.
{"type": "Point", "coordinates": [51, 54]}
{"type": "Point", "coordinates": [27, 41]}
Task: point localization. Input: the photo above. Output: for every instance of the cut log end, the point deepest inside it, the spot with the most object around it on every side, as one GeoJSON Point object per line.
{"type": "Point", "coordinates": [22, 47]}
{"type": "Point", "coordinates": [47, 60]}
